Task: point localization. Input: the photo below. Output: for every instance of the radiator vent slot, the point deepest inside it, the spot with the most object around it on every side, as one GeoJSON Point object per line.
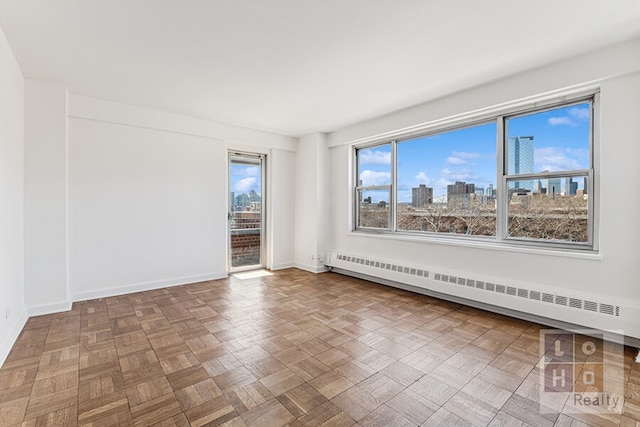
{"type": "Point", "coordinates": [606, 309]}
{"type": "Point", "coordinates": [570, 302]}
{"type": "Point", "coordinates": [384, 266]}
{"type": "Point", "coordinates": [560, 300]}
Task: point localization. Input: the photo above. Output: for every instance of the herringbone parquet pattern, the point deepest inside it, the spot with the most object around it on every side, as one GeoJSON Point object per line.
{"type": "Point", "coordinates": [291, 348]}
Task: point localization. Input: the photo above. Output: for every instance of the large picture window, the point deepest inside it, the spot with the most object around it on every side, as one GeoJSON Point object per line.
{"type": "Point", "coordinates": [446, 182]}
{"type": "Point", "coordinates": [524, 177]}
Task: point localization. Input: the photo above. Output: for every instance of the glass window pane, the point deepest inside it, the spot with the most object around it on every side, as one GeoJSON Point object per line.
{"type": "Point", "coordinates": [374, 166]}
{"type": "Point", "coordinates": [557, 209]}
{"type": "Point", "coordinates": [549, 141]}
{"type": "Point", "coordinates": [447, 182]}
{"type": "Point", "coordinates": [373, 208]}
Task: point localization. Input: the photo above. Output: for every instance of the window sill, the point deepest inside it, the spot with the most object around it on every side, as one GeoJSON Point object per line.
{"type": "Point", "coordinates": [483, 244]}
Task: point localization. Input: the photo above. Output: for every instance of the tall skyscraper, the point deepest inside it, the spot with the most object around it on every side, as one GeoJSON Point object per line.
{"type": "Point", "coordinates": [421, 196]}
{"type": "Point", "coordinates": [520, 159]}
{"type": "Point", "coordinates": [571, 187]}
{"type": "Point", "coordinates": [554, 187]}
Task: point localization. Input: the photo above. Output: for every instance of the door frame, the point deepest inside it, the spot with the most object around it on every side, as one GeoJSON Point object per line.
{"type": "Point", "coordinates": [262, 158]}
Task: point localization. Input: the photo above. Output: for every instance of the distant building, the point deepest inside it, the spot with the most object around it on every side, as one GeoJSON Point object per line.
{"type": "Point", "coordinates": [459, 193]}
{"type": "Point", "coordinates": [554, 187]}
{"type": "Point", "coordinates": [421, 196]}
{"type": "Point", "coordinates": [572, 187]}
{"type": "Point", "coordinates": [247, 202]}
{"type": "Point", "coordinates": [490, 192]}
{"type": "Point", "coordinates": [520, 159]}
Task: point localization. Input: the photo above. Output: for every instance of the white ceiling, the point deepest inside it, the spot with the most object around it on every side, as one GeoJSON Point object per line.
{"type": "Point", "coordinates": [298, 66]}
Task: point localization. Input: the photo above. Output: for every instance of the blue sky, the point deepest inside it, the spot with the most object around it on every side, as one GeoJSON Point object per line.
{"type": "Point", "coordinates": [244, 178]}
{"type": "Point", "coordinates": [561, 138]}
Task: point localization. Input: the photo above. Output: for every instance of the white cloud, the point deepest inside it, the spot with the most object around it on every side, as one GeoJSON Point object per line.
{"type": "Point", "coordinates": [369, 177]}
{"type": "Point", "coordinates": [457, 175]}
{"type": "Point", "coordinates": [247, 171]}
{"type": "Point", "coordinates": [580, 113]}
{"type": "Point", "coordinates": [575, 117]}
{"type": "Point", "coordinates": [580, 153]}
{"type": "Point", "coordinates": [559, 121]}
{"type": "Point", "coordinates": [374, 157]}
{"type": "Point", "coordinates": [554, 159]}
{"type": "Point", "coordinates": [465, 155]}
{"type": "Point", "coordinates": [440, 187]}
{"type": "Point", "coordinates": [422, 178]}
{"type": "Point", "coordinates": [456, 161]}
{"type": "Point", "coordinates": [245, 185]}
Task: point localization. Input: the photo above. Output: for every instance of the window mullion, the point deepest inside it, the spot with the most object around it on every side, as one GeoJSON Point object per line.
{"type": "Point", "coordinates": [393, 196]}
{"type": "Point", "coordinates": [501, 194]}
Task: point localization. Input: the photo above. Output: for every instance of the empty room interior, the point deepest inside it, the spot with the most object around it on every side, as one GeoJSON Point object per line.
{"type": "Point", "coordinates": [340, 212]}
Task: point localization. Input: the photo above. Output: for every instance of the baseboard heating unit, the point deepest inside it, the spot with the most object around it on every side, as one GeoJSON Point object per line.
{"type": "Point", "coordinates": [618, 319]}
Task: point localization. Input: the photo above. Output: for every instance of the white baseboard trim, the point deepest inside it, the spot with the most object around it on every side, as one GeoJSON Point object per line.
{"type": "Point", "coordinates": [312, 268]}
{"type": "Point", "coordinates": [145, 286]}
{"type": "Point", "coordinates": [39, 310]}
{"type": "Point", "coordinates": [282, 266]}
{"type": "Point", "coordinates": [10, 339]}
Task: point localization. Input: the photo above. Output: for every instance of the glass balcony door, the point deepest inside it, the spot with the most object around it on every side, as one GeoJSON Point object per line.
{"type": "Point", "coordinates": [246, 211]}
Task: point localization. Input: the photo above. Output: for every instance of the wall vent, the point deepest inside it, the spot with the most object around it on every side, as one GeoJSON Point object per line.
{"type": "Point", "coordinates": [591, 305]}
{"type": "Point", "coordinates": [569, 302]}
{"type": "Point", "coordinates": [547, 297]}
{"type": "Point", "coordinates": [607, 309]}
{"type": "Point", "coordinates": [560, 300]}
{"type": "Point", "coordinates": [575, 303]}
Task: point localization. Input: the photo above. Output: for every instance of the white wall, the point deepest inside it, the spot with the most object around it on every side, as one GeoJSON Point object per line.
{"type": "Point", "coordinates": [146, 208]}
{"type": "Point", "coordinates": [45, 180]}
{"type": "Point", "coordinates": [311, 208]}
{"type": "Point", "coordinates": [122, 199]}
{"type": "Point", "coordinates": [281, 165]}
{"type": "Point", "coordinates": [615, 271]}
{"type": "Point", "coordinates": [12, 308]}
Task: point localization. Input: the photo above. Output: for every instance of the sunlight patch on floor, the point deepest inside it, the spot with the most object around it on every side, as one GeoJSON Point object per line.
{"type": "Point", "coordinates": [252, 274]}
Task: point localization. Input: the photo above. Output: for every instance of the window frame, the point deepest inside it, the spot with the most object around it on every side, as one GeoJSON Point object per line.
{"type": "Point", "coordinates": [357, 188]}
{"type": "Point", "coordinates": [500, 115]}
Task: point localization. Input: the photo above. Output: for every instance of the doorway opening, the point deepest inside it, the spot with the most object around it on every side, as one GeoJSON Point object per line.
{"type": "Point", "coordinates": [246, 217]}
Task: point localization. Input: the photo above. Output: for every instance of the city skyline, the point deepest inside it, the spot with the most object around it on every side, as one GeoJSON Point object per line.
{"type": "Point", "coordinates": [469, 154]}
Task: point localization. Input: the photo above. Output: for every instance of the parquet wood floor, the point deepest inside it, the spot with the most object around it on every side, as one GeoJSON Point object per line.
{"type": "Point", "coordinates": [292, 348]}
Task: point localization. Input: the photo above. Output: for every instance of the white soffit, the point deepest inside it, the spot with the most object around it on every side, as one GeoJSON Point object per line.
{"type": "Point", "coordinates": [298, 66]}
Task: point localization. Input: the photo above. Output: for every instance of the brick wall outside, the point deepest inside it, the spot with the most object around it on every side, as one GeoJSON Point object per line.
{"type": "Point", "coordinates": [245, 239]}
